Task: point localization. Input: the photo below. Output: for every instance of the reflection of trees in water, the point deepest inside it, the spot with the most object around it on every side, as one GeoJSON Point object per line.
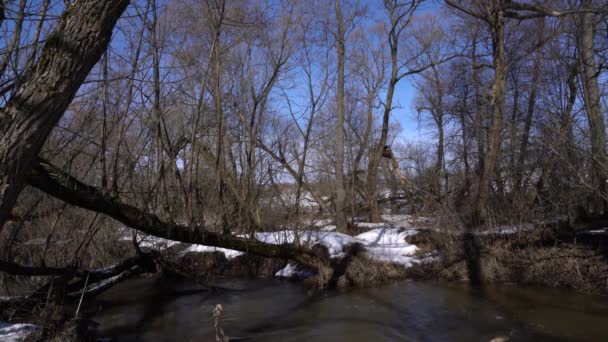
{"type": "Point", "coordinates": [148, 309]}
{"type": "Point", "coordinates": [402, 311]}
{"type": "Point", "coordinates": [472, 254]}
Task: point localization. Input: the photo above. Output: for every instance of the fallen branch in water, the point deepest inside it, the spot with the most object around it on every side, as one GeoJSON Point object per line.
{"type": "Point", "coordinates": [73, 282]}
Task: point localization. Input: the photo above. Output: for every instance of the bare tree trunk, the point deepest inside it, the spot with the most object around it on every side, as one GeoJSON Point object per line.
{"type": "Point", "coordinates": [163, 191]}
{"type": "Point", "coordinates": [217, 22]}
{"type": "Point", "coordinates": [340, 191]}
{"type": "Point", "coordinates": [591, 95]}
{"type": "Point", "coordinates": [529, 116]}
{"type": "Point", "coordinates": [37, 104]}
{"type": "Point", "coordinates": [63, 186]}
{"type": "Point", "coordinates": [479, 115]}
{"type": "Point", "coordinates": [440, 171]}
{"type": "Point", "coordinates": [566, 130]}
{"type": "Point", "coordinates": [104, 124]}
{"type": "Point", "coordinates": [377, 151]}
{"type": "Point", "coordinates": [513, 128]}
{"type": "Point", "coordinates": [465, 149]}
{"type": "Point", "coordinates": [497, 20]}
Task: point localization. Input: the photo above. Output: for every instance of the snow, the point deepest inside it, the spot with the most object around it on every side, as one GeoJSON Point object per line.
{"type": "Point", "coordinates": [334, 241]}
{"type": "Point", "coordinates": [104, 283]}
{"type": "Point", "coordinates": [148, 241]}
{"type": "Point", "coordinates": [384, 242]}
{"type": "Point", "coordinates": [10, 299]}
{"type": "Point", "coordinates": [389, 245]}
{"type": "Point", "coordinates": [384, 236]}
{"type": "Point", "coordinates": [229, 253]}
{"type": "Point", "coordinates": [307, 200]}
{"type": "Point", "coordinates": [322, 223]}
{"type": "Point", "coordinates": [292, 271]}
{"type": "Point", "coordinates": [600, 231]}
{"type": "Point", "coordinates": [370, 225]}
{"type": "Point", "coordinates": [16, 332]}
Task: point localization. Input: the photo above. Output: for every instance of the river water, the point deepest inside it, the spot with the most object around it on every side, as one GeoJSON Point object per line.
{"type": "Point", "coordinates": [162, 310]}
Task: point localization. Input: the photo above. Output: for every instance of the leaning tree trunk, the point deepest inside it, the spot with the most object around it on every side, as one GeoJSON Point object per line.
{"type": "Point", "coordinates": [63, 186]}
{"type": "Point", "coordinates": [37, 104]}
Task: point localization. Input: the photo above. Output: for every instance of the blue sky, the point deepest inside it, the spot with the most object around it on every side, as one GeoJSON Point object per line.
{"type": "Point", "coordinates": [405, 94]}
{"type": "Point", "coordinates": [405, 113]}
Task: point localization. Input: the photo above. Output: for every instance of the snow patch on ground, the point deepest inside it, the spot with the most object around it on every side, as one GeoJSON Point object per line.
{"type": "Point", "coordinates": [329, 228]}
{"type": "Point", "coordinates": [600, 231]}
{"type": "Point", "coordinates": [292, 271]}
{"type": "Point", "coordinates": [229, 253]}
{"type": "Point", "coordinates": [147, 241]}
{"type": "Point", "coordinates": [370, 225]}
{"type": "Point", "coordinates": [16, 332]}
{"type": "Point", "coordinates": [322, 223]}
{"type": "Point", "coordinates": [334, 241]}
{"type": "Point", "coordinates": [389, 245]}
{"type": "Point", "coordinates": [10, 299]}
{"type": "Point", "coordinates": [384, 242]}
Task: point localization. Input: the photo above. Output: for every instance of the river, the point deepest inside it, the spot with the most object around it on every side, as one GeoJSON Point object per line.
{"type": "Point", "coordinates": [165, 310]}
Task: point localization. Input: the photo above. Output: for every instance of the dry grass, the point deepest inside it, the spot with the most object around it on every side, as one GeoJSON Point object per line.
{"type": "Point", "coordinates": [561, 266]}
{"type": "Point", "coordinates": [362, 272]}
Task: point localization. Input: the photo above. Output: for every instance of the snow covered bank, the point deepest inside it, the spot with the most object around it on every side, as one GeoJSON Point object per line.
{"type": "Point", "coordinates": [293, 271]}
{"type": "Point", "coordinates": [389, 245]}
{"type": "Point", "coordinates": [334, 241]}
{"type": "Point", "coordinates": [228, 253]}
{"type": "Point", "coordinates": [10, 332]}
{"type": "Point", "coordinates": [381, 244]}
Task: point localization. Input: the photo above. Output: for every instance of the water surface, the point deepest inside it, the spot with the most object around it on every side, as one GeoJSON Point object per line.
{"type": "Point", "coordinates": [161, 310]}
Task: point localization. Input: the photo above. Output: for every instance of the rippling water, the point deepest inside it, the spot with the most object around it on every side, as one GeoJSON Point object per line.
{"type": "Point", "coordinates": [161, 310]}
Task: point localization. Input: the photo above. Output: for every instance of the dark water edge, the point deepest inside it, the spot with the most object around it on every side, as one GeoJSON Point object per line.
{"type": "Point", "coordinates": [156, 309]}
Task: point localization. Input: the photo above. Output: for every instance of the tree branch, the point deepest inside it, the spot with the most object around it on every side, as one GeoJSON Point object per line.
{"type": "Point", "coordinates": [65, 187]}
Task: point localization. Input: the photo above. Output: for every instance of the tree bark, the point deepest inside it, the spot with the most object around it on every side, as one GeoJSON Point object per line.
{"type": "Point", "coordinates": [37, 104]}
{"type": "Point", "coordinates": [591, 95]}
{"type": "Point", "coordinates": [497, 22]}
{"type": "Point", "coordinates": [525, 138]}
{"type": "Point", "coordinates": [57, 183]}
{"type": "Point", "coordinates": [340, 191]}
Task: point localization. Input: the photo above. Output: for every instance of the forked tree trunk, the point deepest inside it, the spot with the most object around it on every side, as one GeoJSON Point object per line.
{"type": "Point", "coordinates": [37, 104]}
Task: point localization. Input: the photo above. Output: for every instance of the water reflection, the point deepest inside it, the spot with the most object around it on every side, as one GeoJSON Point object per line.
{"type": "Point", "coordinates": [403, 311]}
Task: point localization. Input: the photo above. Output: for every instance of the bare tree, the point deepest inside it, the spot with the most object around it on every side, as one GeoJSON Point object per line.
{"type": "Point", "coordinates": [43, 95]}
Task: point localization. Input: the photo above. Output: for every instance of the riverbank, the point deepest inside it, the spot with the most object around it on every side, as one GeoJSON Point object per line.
{"type": "Point", "coordinates": [543, 254]}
